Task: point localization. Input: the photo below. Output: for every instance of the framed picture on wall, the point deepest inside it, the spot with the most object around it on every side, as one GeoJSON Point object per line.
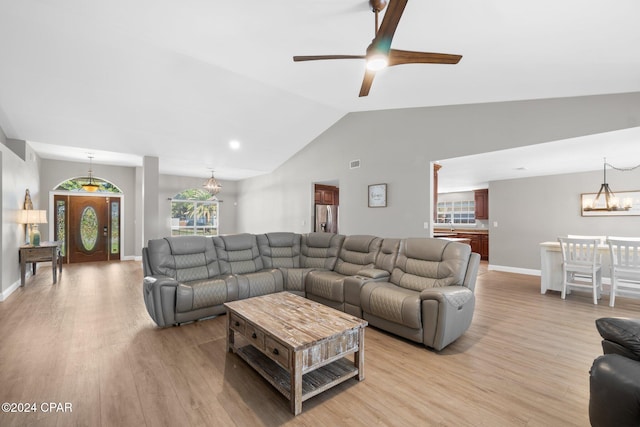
{"type": "Point", "coordinates": [378, 195]}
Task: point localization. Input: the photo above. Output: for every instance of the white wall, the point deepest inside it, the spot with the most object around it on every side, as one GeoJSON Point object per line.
{"type": "Point", "coordinates": [534, 210]}
{"type": "Point", "coordinates": [128, 179]}
{"type": "Point", "coordinates": [397, 146]}
{"type": "Point", "coordinates": [55, 172]}
{"type": "Point", "coordinates": [17, 176]}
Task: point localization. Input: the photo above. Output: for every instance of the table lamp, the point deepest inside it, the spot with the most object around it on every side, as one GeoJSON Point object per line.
{"type": "Point", "coordinates": [33, 217]}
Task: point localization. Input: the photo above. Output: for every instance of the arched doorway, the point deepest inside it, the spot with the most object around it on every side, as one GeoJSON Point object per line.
{"type": "Point", "coordinates": [88, 223]}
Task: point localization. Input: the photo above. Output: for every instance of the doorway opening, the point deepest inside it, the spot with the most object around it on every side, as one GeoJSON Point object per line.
{"type": "Point", "coordinates": [326, 202]}
{"type": "Point", "coordinates": [87, 223]}
{"type": "Point", "coordinates": [88, 227]}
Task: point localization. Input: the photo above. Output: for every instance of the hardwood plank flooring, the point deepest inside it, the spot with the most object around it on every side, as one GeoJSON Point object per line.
{"type": "Point", "coordinates": [89, 341]}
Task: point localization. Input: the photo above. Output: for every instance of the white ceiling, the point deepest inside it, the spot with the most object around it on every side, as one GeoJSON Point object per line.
{"type": "Point", "coordinates": [179, 79]}
{"type": "Point", "coordinates": [620, 148]}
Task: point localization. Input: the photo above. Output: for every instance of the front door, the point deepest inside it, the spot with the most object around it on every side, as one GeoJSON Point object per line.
{"type": "Point", "coordinates": [89, 227]}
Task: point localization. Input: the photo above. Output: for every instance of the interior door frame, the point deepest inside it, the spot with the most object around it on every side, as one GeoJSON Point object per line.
{"type": "Point", "coordinates": [51, 214]}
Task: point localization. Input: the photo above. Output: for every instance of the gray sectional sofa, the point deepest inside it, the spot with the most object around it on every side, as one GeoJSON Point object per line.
{"type": "Point", "coordinates": [418, 288]}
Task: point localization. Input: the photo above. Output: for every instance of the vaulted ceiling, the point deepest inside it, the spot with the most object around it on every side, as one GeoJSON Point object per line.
{"type": "Point", "coordinates": [179, 80]}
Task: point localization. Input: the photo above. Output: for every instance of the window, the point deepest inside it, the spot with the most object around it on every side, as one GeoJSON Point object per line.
{"type": "Point", "coordinates": [194, 211]}
{"type": "Point", "coordinates": [75, 185]}
{"type": "Point", "coordinates": [460, 212]}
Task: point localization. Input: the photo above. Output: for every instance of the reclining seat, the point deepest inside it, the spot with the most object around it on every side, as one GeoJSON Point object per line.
{"type": "Point", "coordinates": [182, 280]}
{"type": "Point", "coordinates": [282, 251]}
{"type": "Point", "coordinates": [385, 261]}
{"type": "Point", "coordinates": [357, 253]}
{"type": "Point", "coordinates": [429, 295]}
{"type": "Point", "coordinates": [318, 251]}
{"type": "Point", "coordinates": [238, 255]}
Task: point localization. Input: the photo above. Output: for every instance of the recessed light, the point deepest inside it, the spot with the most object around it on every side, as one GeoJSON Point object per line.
{"type": "Point", "coordinates": [234, 144]}
{"type": "Point", "coordinates": [521, 168]}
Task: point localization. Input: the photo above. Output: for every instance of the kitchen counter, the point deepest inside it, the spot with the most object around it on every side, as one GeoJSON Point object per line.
{"type": "Point", "coordinates": [466, 241]}
{"type": "Point", "coordinates": [442, 234]}
{"type": "Point", "coordinates": [437, 232]}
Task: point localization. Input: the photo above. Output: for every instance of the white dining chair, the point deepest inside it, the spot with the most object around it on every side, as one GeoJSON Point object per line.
{"type": "Point", "coordinates": [581, 266]}
{"type": "Point", "coordinates": [625, 265]}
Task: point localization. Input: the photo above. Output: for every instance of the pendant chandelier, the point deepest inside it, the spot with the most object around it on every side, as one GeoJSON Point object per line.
{"type": "Point", "coordinates": [611, 202]}
{"type": "Point", "coordinates": [212, 186]}
{"type": "Point", "coordinates": [91, 186]}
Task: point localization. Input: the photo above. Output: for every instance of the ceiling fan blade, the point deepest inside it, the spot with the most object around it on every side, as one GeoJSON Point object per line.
{"type": "Point", "coordinates": [321, 57]}
{"type": "Point", "coordinates": [397, 57]}
{"type": "Point", "coordinates": [390, 21]}
{"type": "Point", "coordinates": [366, 82]}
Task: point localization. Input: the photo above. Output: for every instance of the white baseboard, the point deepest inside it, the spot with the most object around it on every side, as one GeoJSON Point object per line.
{"type": "Point", "coordinates": [131, 258]}
{"type": "Point", "coordinates": [11, 289]}
{"type": "Point", "coordinates": [507, 269]}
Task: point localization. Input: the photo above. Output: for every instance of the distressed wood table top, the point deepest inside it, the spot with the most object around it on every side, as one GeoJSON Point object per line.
{"type": "Point", "coordinates": [296, 321]}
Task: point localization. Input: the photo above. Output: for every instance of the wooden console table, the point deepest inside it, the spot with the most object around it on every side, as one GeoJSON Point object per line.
{"type": "Point", "coordinates": [298, 345]}
{"type": "Point", "coordinates": [47, 251]}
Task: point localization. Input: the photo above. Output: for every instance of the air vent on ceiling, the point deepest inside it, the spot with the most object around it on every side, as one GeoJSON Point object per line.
{"type": "Point", "coordinates": [354, 164]}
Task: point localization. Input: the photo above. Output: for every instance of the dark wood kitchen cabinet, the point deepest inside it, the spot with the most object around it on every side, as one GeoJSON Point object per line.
{"type": "Point", "coordinates": [482, 203]}
{"type": "Point", "coordinates": [479, 243]}
{"type": "Point", "coordinates": [326, 195]}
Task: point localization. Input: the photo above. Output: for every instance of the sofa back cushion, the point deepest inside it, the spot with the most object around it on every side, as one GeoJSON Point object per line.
{"type": "Point", "coordinates": [280, 250]}
{"type": "Point", "coordinates": [357, 252]}
{"type": "Point", "coordinates": [388, 254]}
{"type": "Point", "coordinates": [184, 258]}
{"type": "Point", "coordinates": [320, 250]}
{"type": "Point", "coordinates": [238, 253]}
{"type": "Point", "coordinates": [428, 263]}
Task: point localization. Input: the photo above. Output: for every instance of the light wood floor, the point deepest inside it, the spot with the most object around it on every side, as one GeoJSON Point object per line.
{"type": "Point", "coordinates": [88, 341]}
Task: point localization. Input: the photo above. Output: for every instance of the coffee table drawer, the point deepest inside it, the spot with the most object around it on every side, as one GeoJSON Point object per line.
{"type": "Point", "coordinates": [277, 351]}
{"type": "Point", "coordinates": [254, 336]}
{"type": "Point", "coordinates": [237, 323]}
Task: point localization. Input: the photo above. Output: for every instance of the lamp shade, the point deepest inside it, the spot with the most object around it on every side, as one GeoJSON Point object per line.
{"type": "Point", "coordinates": [32, 216]}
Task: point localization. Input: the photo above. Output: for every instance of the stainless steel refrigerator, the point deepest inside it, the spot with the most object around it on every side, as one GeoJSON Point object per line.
{"type": "Point", "coordinates": [326, 218]}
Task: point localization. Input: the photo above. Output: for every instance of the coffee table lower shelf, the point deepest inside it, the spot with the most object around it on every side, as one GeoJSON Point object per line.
{"type": "Point", "coordinates": [313, 382]}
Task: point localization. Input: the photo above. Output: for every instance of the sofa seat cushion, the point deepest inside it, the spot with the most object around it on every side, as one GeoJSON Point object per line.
{"type": "Point", "coordinates": [202, 293]}
{"type": "Point", "coordinates": [393, 303]}
{"type": "Point", "coordinates": [326, 284]}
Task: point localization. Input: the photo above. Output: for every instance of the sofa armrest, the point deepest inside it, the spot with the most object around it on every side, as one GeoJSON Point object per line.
{"type": "Point", "coordinates": [159, 294]}
{"type": "Point", "coordinates": [447, 313]}
{"type": "Point", "coordinates": [455, 296]}
{"type": "Point", "coordinates": [621, 335]}
{"type": "Point", "coordinates": [373, 273]}
{"type": "Point", "coordinates": [614, 383]}
{"type": "Point", "coordinates": [353, 285]}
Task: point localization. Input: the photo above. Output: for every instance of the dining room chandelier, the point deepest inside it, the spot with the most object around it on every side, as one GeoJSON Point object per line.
{"type": "Point", "coordinates": [212, 186]}
{"type": "Point", "coordinates": [611, 201]}
{"type": "Point", "coordinates": [90, 186]}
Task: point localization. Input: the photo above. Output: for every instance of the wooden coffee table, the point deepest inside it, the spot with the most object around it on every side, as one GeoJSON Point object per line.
{"type": "Point", "coordinates": [298, 345]}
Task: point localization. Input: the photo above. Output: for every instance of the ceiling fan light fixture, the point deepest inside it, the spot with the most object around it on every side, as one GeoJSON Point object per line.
{"type": "Point", "coordinates": [377, 62]}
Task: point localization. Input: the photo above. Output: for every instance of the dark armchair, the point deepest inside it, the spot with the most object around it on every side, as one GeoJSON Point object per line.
{"type": "Point", "coordinates": [615, 376]}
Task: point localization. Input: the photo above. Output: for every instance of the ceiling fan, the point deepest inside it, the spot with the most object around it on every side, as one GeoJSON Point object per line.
{"type": "Point", "coordinates": [379, 53]}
